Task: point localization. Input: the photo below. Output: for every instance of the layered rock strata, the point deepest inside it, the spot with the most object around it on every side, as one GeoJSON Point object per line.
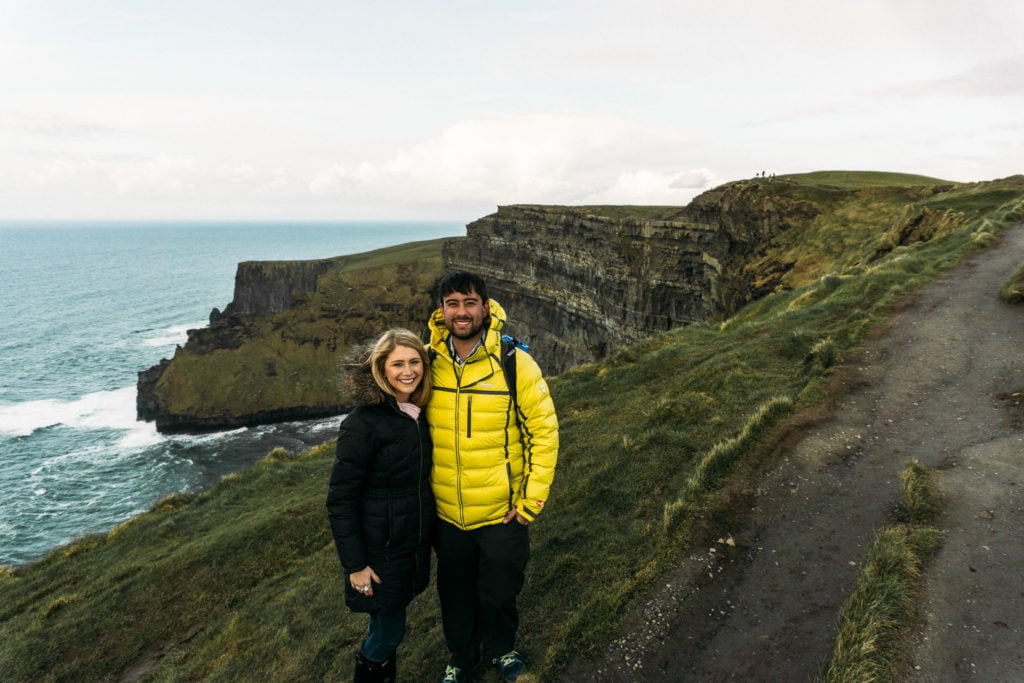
{"type": "Point", "coordinates": [578, 284]}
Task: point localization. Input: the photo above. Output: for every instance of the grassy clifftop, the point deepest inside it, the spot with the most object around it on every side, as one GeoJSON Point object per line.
{"type": "Point", "coordinates": [242, 582]}
{"type": "Point", "coordinates": [250, 369]}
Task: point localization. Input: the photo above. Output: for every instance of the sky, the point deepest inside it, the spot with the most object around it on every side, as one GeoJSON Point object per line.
{"type": "Point", "coordinates": [445, 110]}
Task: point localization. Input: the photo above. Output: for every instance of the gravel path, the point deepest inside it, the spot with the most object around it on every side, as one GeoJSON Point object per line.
{"type": "Point", "coordinates": [943, 383]}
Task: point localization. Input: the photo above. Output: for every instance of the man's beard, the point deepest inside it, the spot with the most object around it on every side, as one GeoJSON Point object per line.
{"type": "Point", "coordinates": [474, 332]}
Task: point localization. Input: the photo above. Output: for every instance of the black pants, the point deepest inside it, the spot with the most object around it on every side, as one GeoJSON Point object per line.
{"type": "Point", "coordinates": [479, 576]}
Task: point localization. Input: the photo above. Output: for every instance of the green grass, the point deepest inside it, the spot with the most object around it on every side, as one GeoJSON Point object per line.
{"type": "Point", "coordinates": [290, 359]}
{"type": "Point", "coordinates": [242, 582]}
{"type": "Point", "coordinates": [882, 608]}
{"type": "Point", "coordinates": [1012, 291]}
{"type": "Point", "coordinates": [619, 212]}
{"type": "Point", "coordinates": [851, 180]}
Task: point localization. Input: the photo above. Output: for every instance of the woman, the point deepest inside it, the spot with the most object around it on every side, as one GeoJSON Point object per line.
{"type": "Point", "coordinates": [379, 501]}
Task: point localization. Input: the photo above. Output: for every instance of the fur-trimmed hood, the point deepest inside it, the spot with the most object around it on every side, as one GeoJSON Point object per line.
{"type": "Point", "coordinates": [358, 378]}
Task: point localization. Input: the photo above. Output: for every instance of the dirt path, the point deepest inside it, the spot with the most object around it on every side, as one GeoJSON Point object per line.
{"type": "Point", "coordinates": [941, 384]}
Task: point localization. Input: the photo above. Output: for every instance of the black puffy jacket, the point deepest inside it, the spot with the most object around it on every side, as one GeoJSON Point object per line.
{"type": "Point", "coordinates": [379, 500]}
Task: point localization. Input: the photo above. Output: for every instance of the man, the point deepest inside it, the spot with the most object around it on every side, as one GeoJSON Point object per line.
{"type": "Point", "coordinates": [494, 460]}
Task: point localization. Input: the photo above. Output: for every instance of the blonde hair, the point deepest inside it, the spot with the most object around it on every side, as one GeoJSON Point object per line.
{"type": "Point", "coordinates": [383, 347]}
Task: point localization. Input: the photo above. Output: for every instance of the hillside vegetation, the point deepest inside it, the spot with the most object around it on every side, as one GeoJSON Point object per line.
{"type": "Point", "coordinates": [287, 361]}
{"type": "Point", "coordinates": [242, 582]}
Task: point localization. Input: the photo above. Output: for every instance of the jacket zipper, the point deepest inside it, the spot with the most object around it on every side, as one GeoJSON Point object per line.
{"type": "Point", "coordinates": [458, 454]}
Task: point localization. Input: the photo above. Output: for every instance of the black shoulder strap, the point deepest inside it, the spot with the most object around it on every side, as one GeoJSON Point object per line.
{"type": "Point", "coordinates": [508, 366]}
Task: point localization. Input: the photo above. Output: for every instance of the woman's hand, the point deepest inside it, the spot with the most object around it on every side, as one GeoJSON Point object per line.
{"type": "Point", "coordinates": [363, 580]}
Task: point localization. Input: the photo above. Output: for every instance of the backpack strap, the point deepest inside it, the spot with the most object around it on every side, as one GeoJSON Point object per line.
{"type": "Point", "coordinates": [508, 366]}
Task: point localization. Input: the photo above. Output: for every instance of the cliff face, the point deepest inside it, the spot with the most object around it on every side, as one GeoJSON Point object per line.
{"type": "Point", "coordinates": [579, 284]}
{"type": "Point", "coordinates": [265, 287]}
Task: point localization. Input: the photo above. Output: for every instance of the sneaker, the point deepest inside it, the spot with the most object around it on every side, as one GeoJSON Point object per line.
{"type": "Point", "coordinates": [453, 674]}
{"type": "Point", "coordinates": [510, 665]}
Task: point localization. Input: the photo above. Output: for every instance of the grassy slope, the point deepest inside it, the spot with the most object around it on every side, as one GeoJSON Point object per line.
{"type": "Point", "coordinates": [242, 581]}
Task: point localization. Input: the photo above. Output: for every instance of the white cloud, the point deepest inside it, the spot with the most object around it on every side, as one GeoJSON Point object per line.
{"type": "Point", "coordinates": [163, 113]}
{"type": "Point", "coordinates": [999, 78]}
{"type": "Point", "coordinates": [49, 125]}
{"type": "Point", "coordinates": [160, 175]}
{"type": "Point", "coordinates": [505, 160]}
{"type": "Point", "coordinates": [655, 188]}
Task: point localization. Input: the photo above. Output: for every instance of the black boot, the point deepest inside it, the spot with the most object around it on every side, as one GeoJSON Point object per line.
{"type": "Point", "coordinates": [369, 671]}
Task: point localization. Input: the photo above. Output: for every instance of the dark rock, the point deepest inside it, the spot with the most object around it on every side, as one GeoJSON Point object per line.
{"type": "Point", "coordinates": [578, 286]}
{"type": "Point", "coordinates": [147, 407]}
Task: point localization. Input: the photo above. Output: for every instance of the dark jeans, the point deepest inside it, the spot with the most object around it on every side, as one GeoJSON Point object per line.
{"type": "Point", "coordinates": [383, 635]}
{"type": "Point", "coordinates": [479, 576]}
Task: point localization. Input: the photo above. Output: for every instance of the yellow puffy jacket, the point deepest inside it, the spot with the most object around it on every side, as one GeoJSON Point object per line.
{"type": "Point", "coordinates": [487, 462]}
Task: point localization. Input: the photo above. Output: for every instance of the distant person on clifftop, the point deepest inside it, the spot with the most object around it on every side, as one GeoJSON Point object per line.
{"type": "Point", "coordinates": [495, 450]}
{"type": "Point", "coordinates": [379, 500]}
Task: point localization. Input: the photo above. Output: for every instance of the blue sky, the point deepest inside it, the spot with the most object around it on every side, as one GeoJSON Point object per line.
{"type": "Point", "coordinates": [447, 109]}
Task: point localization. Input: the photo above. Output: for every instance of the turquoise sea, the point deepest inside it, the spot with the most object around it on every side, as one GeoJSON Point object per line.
{"type": "Point", "coordinates": [84, 306]}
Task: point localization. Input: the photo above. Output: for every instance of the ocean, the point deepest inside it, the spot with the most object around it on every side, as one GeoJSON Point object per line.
{"type": "Point", "coordinates": [85, 306]}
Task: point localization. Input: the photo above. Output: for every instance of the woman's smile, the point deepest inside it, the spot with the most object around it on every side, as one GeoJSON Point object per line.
{"type": "Point", "coordinates": [403, 369]}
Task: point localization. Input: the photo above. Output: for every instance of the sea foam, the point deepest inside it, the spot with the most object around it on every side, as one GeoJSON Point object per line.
{"type": "Point", "coordinates": [97, 410]}
{"type": "Point", "coordinates": [176, 335]}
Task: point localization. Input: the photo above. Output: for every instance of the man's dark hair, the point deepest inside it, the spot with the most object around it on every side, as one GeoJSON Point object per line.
{"type": "Point", "coordinates": [463, 283]}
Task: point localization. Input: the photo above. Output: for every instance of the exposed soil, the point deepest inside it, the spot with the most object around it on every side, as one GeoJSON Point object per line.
{"type": "Point", "coordinates": [943, 384]}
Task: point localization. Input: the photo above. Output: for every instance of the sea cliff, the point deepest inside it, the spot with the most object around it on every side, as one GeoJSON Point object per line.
{"type": "Point", "coordinates": [581, 282]}
{"type": "Point", "coordinates": [578, 283]}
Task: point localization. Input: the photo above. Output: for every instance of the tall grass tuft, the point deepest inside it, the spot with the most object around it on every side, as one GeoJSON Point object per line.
{"type": "Point", "coordinates": [716, 462]}
{"type": "Point", "coordinates": [917, 498]}
{"type": "Point", "coordinates": [882, 606]}
{"type": "Point", "coordinates": [1012, 291]}
{"type": "Point", "coordinates": [823, 355]}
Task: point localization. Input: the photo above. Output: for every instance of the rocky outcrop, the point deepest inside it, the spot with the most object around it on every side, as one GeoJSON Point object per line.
{"type": "Point", "coordinates": [274, 353]}
{"type": "Point", "coordinates": [146, 405]}
{"type": "Point", "coordinates": [265, 287]}
{"type": "Point", "coordinates": [579, 283]}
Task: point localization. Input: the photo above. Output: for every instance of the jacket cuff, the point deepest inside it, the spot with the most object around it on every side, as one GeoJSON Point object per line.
{"type": "Point", "coordinates": [527, 513]}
